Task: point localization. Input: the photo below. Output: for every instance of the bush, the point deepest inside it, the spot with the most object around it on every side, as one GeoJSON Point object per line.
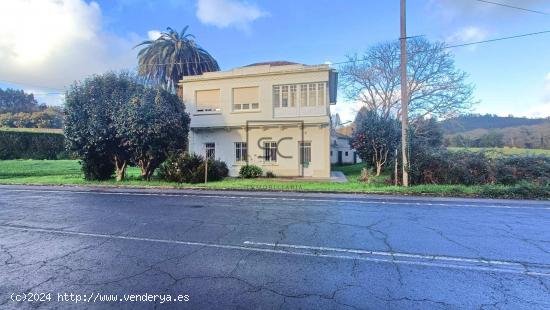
{"type": "Point", "coordinates": [250, 172]}
{"type": "Point", "coordinates": [440, 166]}
{"type": "Point", "coordinates": [189, 168]}
{"type": "Point", "coordinates": [31, 145]}
{"type": "Point", "coordinates": [130, 122]}
{"type": "Point", "coordinates": [512, 169]}
{"type": "Point", "coordinates": [51, 117]}
{"type": "Point", "coordinates": [365, 175]}
{"type": "Point", "coordinates": [97, 167]}
{"type": "Point", "coordinates": [522, 190]}
{"type": "Point", "coordinates": [217, 170]}
{"type": "Point", "coordinates": [270, 174]}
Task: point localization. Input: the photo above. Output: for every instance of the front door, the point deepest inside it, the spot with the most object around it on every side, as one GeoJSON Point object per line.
{"type": "Point", "coordinates": [340, 158]}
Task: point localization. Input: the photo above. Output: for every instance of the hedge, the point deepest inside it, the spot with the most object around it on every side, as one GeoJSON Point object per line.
{"type": "Point", "coordinates": [31, 145]}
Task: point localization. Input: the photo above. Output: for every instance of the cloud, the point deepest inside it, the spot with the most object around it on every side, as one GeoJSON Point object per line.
{"type": "Point", "coordinates": [467, 35]}
{"type": "Point", "coordinates": [228, 13]}
{"type": "Point", "coordinates": [51, 43]}
{"type": "Point", "coordinates": [543, 109]}
{"type": "Point", "coordinates": [153, 34]}
{"type": "Point", "coordinates": [346, 109]}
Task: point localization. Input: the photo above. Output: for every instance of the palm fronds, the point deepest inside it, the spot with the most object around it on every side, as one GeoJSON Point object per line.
{"type": "Point", "coordinates": [171, 56]}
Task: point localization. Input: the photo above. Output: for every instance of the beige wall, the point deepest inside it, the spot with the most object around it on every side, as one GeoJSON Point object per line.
{"type": "Point", "coordinates": [264, 81]}
{"type": "Point", "coordinates": [227, 126]}
{"type": "Point", "coordinates": [225, 148]}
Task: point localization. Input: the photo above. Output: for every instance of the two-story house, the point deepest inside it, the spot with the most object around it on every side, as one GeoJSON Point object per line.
{"type": "Point", "coordinates": [274, 115]}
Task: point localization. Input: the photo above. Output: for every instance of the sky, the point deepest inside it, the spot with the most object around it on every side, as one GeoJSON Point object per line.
{"type": "Point", "coordinates": [45, 45]}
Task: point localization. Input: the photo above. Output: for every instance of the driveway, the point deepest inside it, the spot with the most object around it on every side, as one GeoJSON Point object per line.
{"type": "Point", "coordinates": [237, 250]}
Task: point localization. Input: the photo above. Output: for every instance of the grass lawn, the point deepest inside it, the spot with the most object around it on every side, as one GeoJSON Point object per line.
{"type": "Point", "coordinates": [52, 130]}
{"type": "Point", "coordinates": [67, 172]}
{"type": "Point", "coordinates": [503, 151]}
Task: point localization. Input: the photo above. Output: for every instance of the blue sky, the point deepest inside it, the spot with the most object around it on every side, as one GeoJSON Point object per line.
{"type": "Point", "coordinates": [47, 44]}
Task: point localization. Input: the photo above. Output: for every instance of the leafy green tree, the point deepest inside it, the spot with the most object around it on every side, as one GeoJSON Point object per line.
{"type": "Point", "coordinates": [15, 101]}
{"type": "Point", "coordinates": [375, 138]}
{"type": "Point", "coordinates": [51, 117]}
{"type": "Point", "coordinates": [90, 109]}
{"type": "Point", "coordinates": [153, 125]}
{"type": "Point", "coordinates": [173, 55]}
{"type": "Point", "coordinates": [426, 133]}
{"type": "Point", "coordinates": [491, 139]}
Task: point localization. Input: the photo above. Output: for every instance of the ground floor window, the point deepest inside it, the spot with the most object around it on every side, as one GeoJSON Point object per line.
{"type": "Point", "coordinates": [210, 150]}
{"type": "Point", "coordinates": [240, 151]}
{"type": "Point", "coordinates": [270, 151]}
{"type": "Point", "coordinates": [305, 152]}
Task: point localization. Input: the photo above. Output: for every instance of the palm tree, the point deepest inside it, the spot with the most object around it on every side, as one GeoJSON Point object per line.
{"type": "Point", "coordinates": [171, 56]}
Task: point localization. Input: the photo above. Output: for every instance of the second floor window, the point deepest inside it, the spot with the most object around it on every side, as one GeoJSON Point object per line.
{"type": "Point", "coordinates": [240, 151]}
{"type": "Point", "coordinates": [270, 151]}
{"type": "Point", "coordinates": [210, 150]}
{"type": "Point", "coordinates": [207, 100]}
{"type": "Point", "coordinates": [245, 98]}
{"type": "Point", "coordinates": [304, 95]}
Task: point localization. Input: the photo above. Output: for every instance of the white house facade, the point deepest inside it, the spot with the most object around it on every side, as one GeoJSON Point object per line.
{"type": "Point", "coordinates": [273, 115]}
{"type": "Point", "coordinates": [341, 151]}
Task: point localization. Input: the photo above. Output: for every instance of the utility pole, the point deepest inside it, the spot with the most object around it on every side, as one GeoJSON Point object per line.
{"type": "Point", "coordinates": [404, 96]}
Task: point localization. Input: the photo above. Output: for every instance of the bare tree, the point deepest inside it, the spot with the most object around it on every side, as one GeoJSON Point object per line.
{"type": "Point", "coordinates": [436, 86]}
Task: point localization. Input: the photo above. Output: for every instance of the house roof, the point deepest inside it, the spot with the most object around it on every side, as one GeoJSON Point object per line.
{"type": "Point", "coordinates": [273, 63]}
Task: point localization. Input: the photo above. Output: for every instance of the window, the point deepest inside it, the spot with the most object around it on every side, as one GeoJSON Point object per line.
{"type": "Point", "coordinates": [245, 98]}
{"type": "Point", "coordinates": [306, 95]}
{"type": "Point", "coordinates": [303, 95]}
{"type": "Point", "coordinates": [330, 153]}
{"type": "Point", "coordinates": [276, 96]}
{"type": "Point", "coordinates": [284, 96]}
{"type": "Point", "coordinates": [312, 95]}
{"type": "Point", "coordinates": [346, 153]}
{"type": "Point", "coordinates": [293, 95]}
{"type": "Point", "coordinates": [305, 152]}
{"type": "Point", "coordinates": [321, 94]}
{"type": "Point", "coordinates": [208, 100]}
{"type": "Point", "coordinates": [210, 150]}
{"type": "Point", "coordinates": [270, 151]}
{"type": "Point", "coordinates": [240, 151]}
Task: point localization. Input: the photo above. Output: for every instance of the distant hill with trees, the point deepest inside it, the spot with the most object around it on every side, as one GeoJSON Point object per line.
{"type": "Point", "coordinates": [495, 131]}
{"type": "Point", "coordinates": [21, 110]}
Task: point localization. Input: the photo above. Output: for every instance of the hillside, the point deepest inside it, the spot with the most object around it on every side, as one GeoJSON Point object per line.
{"type": "Point", "coordinates": [495, 131]}
{"type": "Point", "coordinates": [466, 123]}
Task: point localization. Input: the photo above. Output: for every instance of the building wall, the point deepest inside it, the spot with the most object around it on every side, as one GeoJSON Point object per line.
{"type": "Point", "coordinates": [224, 126]}
{"type": "Point", "coordinates": [263, 78]}
{"type": "Point", "coordinates": [319, 167]}
{"type": "Point", "coordinates": [342, 145]}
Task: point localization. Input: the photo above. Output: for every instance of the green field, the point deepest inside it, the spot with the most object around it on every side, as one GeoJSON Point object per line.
{"type": "Point", "coordinates": [53, 130]}
{"type": "Point", "coordinates": [67, 172]}
{"type": "Point", "coordinates": [503, 151]}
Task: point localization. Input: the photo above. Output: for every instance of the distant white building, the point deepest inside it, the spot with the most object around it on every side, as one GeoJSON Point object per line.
{"type": "Point", "coordinates": [341, 151]}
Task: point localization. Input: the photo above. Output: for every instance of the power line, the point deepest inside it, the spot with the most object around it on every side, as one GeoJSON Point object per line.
{"type": "Point", "coordinates": [463, 44]}
{"type": "Point", "coordinates": [513, 7]}
{"type": "Point", "coordinates": [56, 92]}
{"type": "Point", "coordinates": [499, 39]}
{"type": "Point", "coordinates": [334, 63]}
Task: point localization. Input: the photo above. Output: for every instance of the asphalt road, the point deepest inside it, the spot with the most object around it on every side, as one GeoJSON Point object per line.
{"type": "Point", "coordinates": [229, 250]}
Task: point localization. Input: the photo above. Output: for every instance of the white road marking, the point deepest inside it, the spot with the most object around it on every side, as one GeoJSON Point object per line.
{"type": "Point", "coordinates": [363, 201]}
{"type": "Point", "coordinates": [389, 254]}
{"type": "Point", "coordinates": [504, 269]}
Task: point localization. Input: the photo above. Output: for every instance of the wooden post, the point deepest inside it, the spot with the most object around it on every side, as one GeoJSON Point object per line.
{"type": "Point", "coordinates": [395, 181]}
{"type": "Point", "coordinates": [206, 171]}
{"type": "Point", "coordinates": [404, 96]}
